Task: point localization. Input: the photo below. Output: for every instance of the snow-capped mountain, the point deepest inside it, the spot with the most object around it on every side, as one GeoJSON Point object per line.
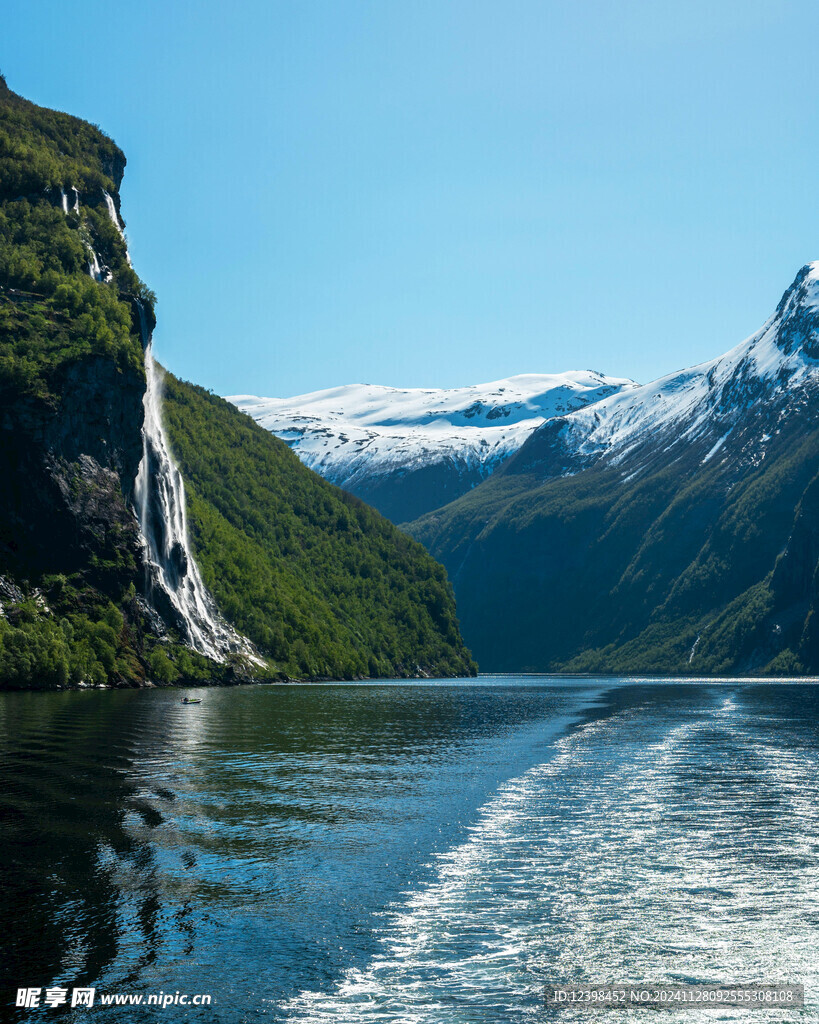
{"type": "Point", "coordinates": [712, 410]}
{"type": "Point", "coordinates": [413, 449]}
{"type": "Point", "coordinates": [670, 528]}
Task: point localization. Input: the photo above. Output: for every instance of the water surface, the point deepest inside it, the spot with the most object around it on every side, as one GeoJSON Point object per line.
{"type": "Point", "coordinates": [408, 852]}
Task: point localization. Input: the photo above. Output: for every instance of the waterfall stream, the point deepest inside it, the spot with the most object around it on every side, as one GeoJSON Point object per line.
{"type": "Point", "coordinates": [94, 268]}
{"type": "Point", "coordinates": [112, 213]}
{"type": "Point", "coordinates": [160, 505]}
{"type": "Point", "coordinates": [172, 575]}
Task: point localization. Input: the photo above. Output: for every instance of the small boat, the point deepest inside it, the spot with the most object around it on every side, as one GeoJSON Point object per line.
{"type": "Point", "coordinates": [191, 700]}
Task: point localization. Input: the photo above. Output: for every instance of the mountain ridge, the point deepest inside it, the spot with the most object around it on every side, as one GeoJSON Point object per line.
{"type": "Point", "coordinates": [408, 450]}
{"type": "Point", "coordinates": [650, 532]}
{"type": "Point", "coordinates": [706, 397]}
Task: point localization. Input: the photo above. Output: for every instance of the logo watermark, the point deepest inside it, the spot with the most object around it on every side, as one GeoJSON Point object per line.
{"type": "Point", "coordinates": [29, 998]}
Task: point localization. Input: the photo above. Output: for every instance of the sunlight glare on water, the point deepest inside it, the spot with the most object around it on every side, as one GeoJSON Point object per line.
{"type": "Point", "coordinates": [645, 850]}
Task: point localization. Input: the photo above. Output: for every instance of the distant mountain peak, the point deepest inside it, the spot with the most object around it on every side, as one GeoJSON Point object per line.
{"type": "Point", "coordinates": [797, 315]}
{"type": "Point", "coordinates": [709, 409]}
{"type": "Point", "coordinates": [669, 529]}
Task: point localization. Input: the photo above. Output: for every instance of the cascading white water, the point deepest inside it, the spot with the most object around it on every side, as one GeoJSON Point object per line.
{"type": "Point", "coordinates": [112, 213]}
{"type": "Point", "coordinates": [159, 496]}
{"type": "Point", "coordinates": [94, 268]}
{"type": "Point", "coordinates": [160, 504]}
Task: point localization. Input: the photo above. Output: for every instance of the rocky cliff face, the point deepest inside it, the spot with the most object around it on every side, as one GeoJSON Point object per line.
{"type": "Point", "coordinates": [71, 386]}
{"type": "Point", "coordinates": [74, 319]}
{"type": "Point", "coordinates": [70, 467]}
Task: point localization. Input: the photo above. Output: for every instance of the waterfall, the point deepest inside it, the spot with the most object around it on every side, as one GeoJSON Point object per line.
{"type": "Point", "coordinates": [112, 213]}
{"type": "Point", "coordinates": [64, 198]}
{"type": "Point", "coordinates": [94, 268]}
{"type": "Point", "coordinates": [159, 497]}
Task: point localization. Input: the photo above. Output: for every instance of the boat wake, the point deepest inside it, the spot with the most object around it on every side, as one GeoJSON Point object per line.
{"type": "Point", "coordinates": [643, 851]}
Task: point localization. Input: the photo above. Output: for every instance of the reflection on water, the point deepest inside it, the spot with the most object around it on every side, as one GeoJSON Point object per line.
{"type": "Point", "coordinates": [410, 853]}
{"type": "Point", "coordinates": [245, 846]}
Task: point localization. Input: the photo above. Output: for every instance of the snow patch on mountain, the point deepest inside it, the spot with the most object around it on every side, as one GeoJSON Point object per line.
{"type": "Point", "coordinates": [706, 402]}
{"type": "Point", "coordinates": [364, 430]}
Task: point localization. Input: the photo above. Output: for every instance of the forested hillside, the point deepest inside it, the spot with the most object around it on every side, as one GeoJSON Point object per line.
{"type": "Point", "coordinates": [321, 582]}
{"type": "Point", "coordinates": [323, 586]}
{"type": "Point", "coordinates": [71, 386]}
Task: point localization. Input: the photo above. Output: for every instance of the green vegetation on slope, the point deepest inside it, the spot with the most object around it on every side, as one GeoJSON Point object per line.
{"type": "Point", "coordinates": [41, 651]}
{"type": "Point", "coordinates": [65, 633]}
{"type": "Point", "coordinates": [68, 348]}
{"type": "Point", "coordinates": [51, 311]}
{"type": "Point", "coordinates": [324, 585]}
{"type": "Point", "coordinates": [673, 573]}
{"type": "Point", "coordinates": [42, 148]}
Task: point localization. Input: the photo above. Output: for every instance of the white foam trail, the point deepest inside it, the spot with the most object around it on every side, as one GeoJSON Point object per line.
{"type": "Point", "coordinates": [160, 504]}
{"type": "Point", "coordinates": [639, 853]}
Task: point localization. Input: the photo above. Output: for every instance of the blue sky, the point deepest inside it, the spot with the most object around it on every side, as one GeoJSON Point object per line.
{"type": "Point", "coordinates": [441, 192]}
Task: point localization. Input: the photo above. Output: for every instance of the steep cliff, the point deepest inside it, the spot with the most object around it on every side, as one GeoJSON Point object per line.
{"type": "Point", "coordinates": [98, 582]}
{"type": "Point", "coordinates": [72, 381]}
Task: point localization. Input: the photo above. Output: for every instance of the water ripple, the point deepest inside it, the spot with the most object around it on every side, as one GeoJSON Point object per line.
{"type": "Point", "coordinates": [645, 850]}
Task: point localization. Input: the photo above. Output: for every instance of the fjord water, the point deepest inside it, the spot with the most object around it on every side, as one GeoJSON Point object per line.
{"type": "Point", "coordinates": [409, 852]}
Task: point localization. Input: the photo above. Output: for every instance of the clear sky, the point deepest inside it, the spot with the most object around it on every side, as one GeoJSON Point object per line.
{"type": "Point", "coordinates": [442, 192]}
